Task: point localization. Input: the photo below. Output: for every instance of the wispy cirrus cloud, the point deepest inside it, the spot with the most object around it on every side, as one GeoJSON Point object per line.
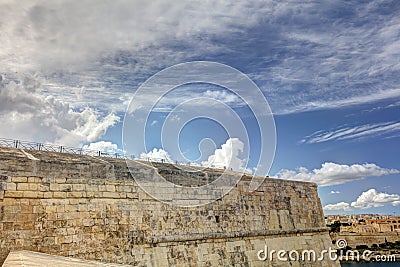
{"type": "Point", "coordinates": [353, 100]}
{"type": "Point", "coordinates": [354, 132]}
{"type": "Point", "coordinates": [304, 55]}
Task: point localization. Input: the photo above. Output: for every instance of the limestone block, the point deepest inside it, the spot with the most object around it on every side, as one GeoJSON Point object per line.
{"type": "Point", "coordinates": [19, 179]}
{"type": "Point", "coordinates": [54, 187]}
{"type": "Point", "coordinates": [110, 187]}
{"type": "Point", "coordinates": [60, 180]}
{"type": "Point", "coordinates": [22, 186]}
{"type": "Point", "coordinates": [13, 194]}
{"type": "Point", "coordinates": [59, 194]}
{"type": "Point", "coordinates": [75, 194]}
{"type": "Point", "coordinates": [34, 179]}
{"type": "Point", "coordinates": [78, 187]}
{"type": "Point", "coordinates": [92, 187]}
{"type": "Point", "coordinates": [110, 195]}
{"type": "Point", "coordinates": [11, 186]}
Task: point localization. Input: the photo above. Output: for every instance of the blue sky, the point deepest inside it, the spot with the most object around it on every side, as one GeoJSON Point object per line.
{"type": "Point", "coordinates": [329, 71]}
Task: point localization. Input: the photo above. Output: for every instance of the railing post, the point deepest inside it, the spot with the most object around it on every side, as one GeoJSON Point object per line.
{"type": "Point", "coordinates": [13, 143]}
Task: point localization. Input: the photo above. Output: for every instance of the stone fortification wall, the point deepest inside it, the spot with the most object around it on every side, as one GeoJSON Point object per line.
{"type": "Point", "coordinates": [91, 208]}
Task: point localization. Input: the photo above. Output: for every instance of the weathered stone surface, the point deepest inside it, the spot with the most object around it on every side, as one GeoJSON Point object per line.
{"type": "Point", "coordinates": [91, 208]}
{"type": "Point", "coordinates": [36, 259]}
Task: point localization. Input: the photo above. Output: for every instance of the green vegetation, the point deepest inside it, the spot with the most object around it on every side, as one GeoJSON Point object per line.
{"type": "Point", "coordinates": [334, 227]}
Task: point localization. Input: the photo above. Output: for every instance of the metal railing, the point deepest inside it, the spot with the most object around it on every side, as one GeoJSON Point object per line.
{"type": "Point", "coordinates": [87, 152]}
{"type": "Point", "coordinates": [57, 148]}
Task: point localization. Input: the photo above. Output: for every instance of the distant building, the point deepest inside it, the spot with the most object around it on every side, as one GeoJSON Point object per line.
{"type": "Point", "coordinates": [360, 229]}
{"type": "Point", "coordinates": [365, 223]}
{"type": "Point", "coordinates": [385, 225]}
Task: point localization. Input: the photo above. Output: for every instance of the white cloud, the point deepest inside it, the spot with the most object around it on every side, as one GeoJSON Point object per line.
{"type": "Point", "coordinates": [318, 104]}
{"type": "Point", "coordinates": [174, 117]}
{"type": "Point", "coordinates": [104, 146]}
{"type": "Point", "coordinates": [64, 34]}
{"type": "Point", "coordinates": [371, 198]}
{"type": "Point", "coordinates": [228, 156]}
{"type": "Point", "coordinates": [342, 65]}
{"type": "Point", "coordinates": [345, 133]}
{"type": "Point", "coordinates": [97, 46]}
{"type": "Point", "coordinates": [156, 155]}
{"type": "Point", "coordinates": [26, 114]}
{"type": "Point", "coordinates": [338, 206]}
{"type": "Point", "coordinates": [199, 95]}
{"type": "Point", "coordinates": [92, 128]}
{"type": "Point", "coordinates": [335, 192]}
{"type": "Point", "coordinates": [333, 174]}
{"type": "Point", "coordinates": [224, 96]}
{"type": "Point", "coordinates": [368, 199]}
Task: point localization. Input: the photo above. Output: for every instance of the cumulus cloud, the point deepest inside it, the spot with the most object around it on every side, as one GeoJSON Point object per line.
{"type": "Point", "coordinates": [338, 206]}
{"type": "Point", "coordinates": [104, 146]}
{"type": "Point", "coordinates": [333, 174]}
{"type": "Point", "coordinates": [372, 198]}
{"type": "Point", "coordinates": [157, 154]}
{"type": "Point", "coordinates": [28, 115]}
{"type": "Point", "coordinates": [368, 199]}
{"type": "Point", "coordinates": [228, 156]}
{"type": "Point", "coordinates": [356, 132]}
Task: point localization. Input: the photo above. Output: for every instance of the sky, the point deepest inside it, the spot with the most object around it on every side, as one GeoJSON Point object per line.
{"type": "Point", "coordinates": [328, 70]}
